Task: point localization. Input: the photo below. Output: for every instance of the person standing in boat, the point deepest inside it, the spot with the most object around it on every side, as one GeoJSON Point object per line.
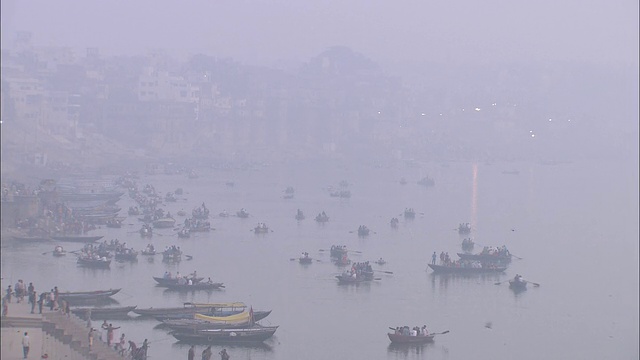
{"type": "Point", "coordinates": [433, 258]}
{"type": "Point", "coordinates": [224, 355]}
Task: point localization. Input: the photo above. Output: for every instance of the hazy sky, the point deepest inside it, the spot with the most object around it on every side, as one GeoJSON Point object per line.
{"type": "Point", "coordinates": [386, 31]}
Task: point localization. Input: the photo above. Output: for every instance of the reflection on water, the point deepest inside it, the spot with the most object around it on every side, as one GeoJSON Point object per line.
{"type": "Point", "coordinates": [255, 349]}
{"type": "Point", "coordinates": [409, 350]}
{"type": "Point", "coordinates": [442, 281]}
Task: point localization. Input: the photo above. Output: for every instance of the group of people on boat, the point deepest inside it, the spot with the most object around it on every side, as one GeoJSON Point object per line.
{"type": "Point", "coordinates": [242, 213]}
{"type": "Point", "coordinates": [201, 212]}
{"type": "Point", "coordinates": [197, 224]}
{"type": "Point", "coordinates": [464, 228]}
{"type": "Point", "coordinates": [149, 249]}
{"type": "Point", "coordinates": [322, 217]}
{"type": "Point", "coordinates": [415, 331]}
{"type": "Point", "coordinates": [467, 244]}
{"type": "Point", "coordinates": [409, 213]}
{"type": "Point", "coordinates": [360, 270]}
{"type": "Point", "coordinates": [182, 279]}
{"type": "Point", "coordinates": [394, 222]}
{"type": "Point", "coordinates": [363, 230]}
{"type": "Point", "coordinates": [170, 197]}
{"type": "Point", "coordinates": [172, 253]}
{"type": "Point", "coordinates": [501, 251]}
{"type": "Point", "coordinates": [146, 230]}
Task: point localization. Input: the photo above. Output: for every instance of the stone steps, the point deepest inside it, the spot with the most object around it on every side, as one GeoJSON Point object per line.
{"type": "Point", "coordinates": [71, 331]}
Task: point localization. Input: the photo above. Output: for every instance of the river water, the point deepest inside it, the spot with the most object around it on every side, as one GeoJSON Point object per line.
{"type": "Point", "coordinates": [574, 225]}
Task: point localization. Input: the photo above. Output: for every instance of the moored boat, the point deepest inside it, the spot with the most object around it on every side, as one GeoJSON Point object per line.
{"type": "Point", "coordinates": [189, 309]}
{"type": "Point", "coordinates": [103, 313]}
{"type": "Point", "coordinates": [75, 238]}
{"type": "Point", "coordinates": [253, 334]}
{"type": "Point", "coordinates": [87, 295]}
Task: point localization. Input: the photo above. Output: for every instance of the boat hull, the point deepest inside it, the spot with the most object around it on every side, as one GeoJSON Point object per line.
{"type": "Point", "coordinates": [485, 258]}
{"type": "Point", "coordinates": [223, 336]}
{"type": "Point", "coordinates": [80, 239]}
{"type": "Point", "coordinates": [104, 313]}
{"type": "Point", "coordinates": [467, 270]}
{"type": "Point", "coordinates": [408, 339]}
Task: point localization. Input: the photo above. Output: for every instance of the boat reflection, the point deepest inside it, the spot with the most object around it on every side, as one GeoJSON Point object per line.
{"type": "Point", "coordinates": [405, 350]}
{"type": "Point", "coordinates": [255, 348]}
{"type": "Point", "coordinates": [442, 280]}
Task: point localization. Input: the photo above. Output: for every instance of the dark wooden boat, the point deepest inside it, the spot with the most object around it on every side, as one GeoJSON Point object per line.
{"type": "Point", "coordinates": [517, 285]}
{"type": "Point", "coordinates": [348, 279]}
{"type": "Point", "coordinates": [233, 335]}
{"type": "Point", "coordinates": [95, 263]}
{"type": "Point", "coordinates": [213, 309]}
{"type": "Point", "coordinates": [363, 231]}
{"type": "Point", "coordinates": [466, 270]}
{"type": "Point", "coordinates": [408, 339]}
{"type": "Point", "coordinates": [194, 287]}
{"type": "Point", "coordinates": [486, 257]}
{"type": "Point", "coordinates": [464, 229]}
{"type": "Point", "coordinates": [104, 313]}
{"type": "Point", "coordinates": [88, 295]}
{"type": "Point", "coordinates": [173, 281]}
{"type": "Point", "coordinates": [126, 256]}
{"type": "Point", "coordinates": [75, 238]}
{"type": "Point", "coordinates": [305, 260]}
{"type": "Point", "coordinates": [409, 214]}
{"type": "Point", "coordinates": [261, 230]}
{"type": "Point", "coordinates": [338, 252]}
{"type": "Point", "coordinates": [257, 315]}
{"type": "Point", "coordinates": [31, 238]}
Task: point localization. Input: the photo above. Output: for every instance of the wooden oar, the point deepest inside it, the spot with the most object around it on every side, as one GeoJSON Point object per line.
{"type": "Point", "coordinates": [534, 284]}
{"type": "Point", "coordinates": [441, 333]}
{"type": "Point", "coordinates": [44, 253]}
{"type": "Point", "coordinates": [386, 272]}
{"type": "Point", "coordinates": [501, 282]}
{"type": "Point", "coordinates": [517, 257]}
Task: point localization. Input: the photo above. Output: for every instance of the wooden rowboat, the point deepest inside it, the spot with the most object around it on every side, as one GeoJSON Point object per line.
{"type": "Point", "coordinates": [233, 335]}
{"type": "Point", "coordinates": [104, 313]}
{"type": "Point", "coordinates": [466, 270]}
{"type": "Point", "coordinates": [408, 339]}
{"type": "Point", "coordinates": [74, 238]}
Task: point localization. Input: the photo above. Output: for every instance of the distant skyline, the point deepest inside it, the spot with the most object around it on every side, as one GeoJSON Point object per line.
{"type": "Point", "coordinates": [398, 34]}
